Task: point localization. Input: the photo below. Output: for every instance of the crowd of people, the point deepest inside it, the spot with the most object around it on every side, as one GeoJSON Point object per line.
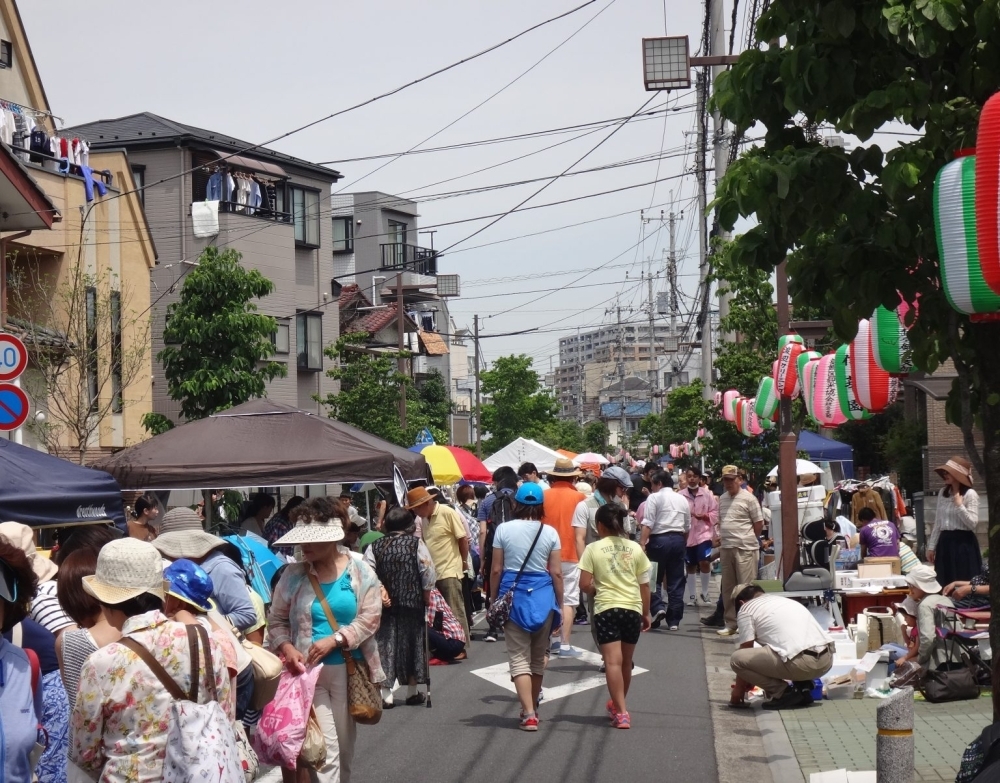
{"type": "Point", "coordinates": [102, 637]}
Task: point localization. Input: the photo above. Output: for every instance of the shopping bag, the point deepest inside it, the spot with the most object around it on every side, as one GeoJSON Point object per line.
{"type": "Point", "coordinates": [313, 753]}
{"type": "Point", "coordinates": [282, 726]}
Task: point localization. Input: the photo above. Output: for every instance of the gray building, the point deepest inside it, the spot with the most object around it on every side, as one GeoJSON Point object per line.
{"type": "Point", "coordinates": [272, 208]}
{"type": "Point", "coordinates": [376, 244]}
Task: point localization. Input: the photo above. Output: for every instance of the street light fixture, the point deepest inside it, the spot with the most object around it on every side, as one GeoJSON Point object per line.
{"type": "Point", "coordinates": [667, 62]}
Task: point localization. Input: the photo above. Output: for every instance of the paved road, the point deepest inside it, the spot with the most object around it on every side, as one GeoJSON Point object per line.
{"type": "Point", "coordinates": [471, 732]}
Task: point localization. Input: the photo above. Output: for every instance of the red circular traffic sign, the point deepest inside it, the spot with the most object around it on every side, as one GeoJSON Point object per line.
{"type": "Point", "coordinates": [13, 407]}
{"type": "Point", "coordinates": [13, 357]}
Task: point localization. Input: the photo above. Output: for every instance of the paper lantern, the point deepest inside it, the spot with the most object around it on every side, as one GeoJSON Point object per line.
{"type": "Point", "coordinates": [675, 451]}
{"type": "Point", "coordinates": [844, 375]}
{"type": "Point", "coordinates": [729, 405]}
{"type": "Point", "coordinates": [873, 387]}
{"type": "Point", "coordinates": [717, 397]}
{"type": "Point", "coordinates": [890, 344]}
{"type": "Point", "coordinates": [826, 405]}
{"type": "Point", "coordinates": [954, 223]}
{"type": "Point", "coordinates": [807, 364]}
{"type": "Point", "coordinates": [766, 406]}
{"type": "Point", "coordinates": [987, 191]}
{"type": "Point", "coordinates": [786, 375]}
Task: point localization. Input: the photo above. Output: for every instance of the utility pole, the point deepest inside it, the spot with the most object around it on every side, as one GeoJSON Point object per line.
{"type": "Point", "coordinates": [719, 127]}
{"type": "Point", "coordinates": [653, 380]}
{"type": "Point", "coordinates": [401, 360]}
{"type": "Point", "coordinates": [479, 421]}
{"type": "Point", "coordinates": [787, 480]}
{"type": "Point", "coordinates": [705, 319]}
{"type": "Point", "coordinates": [621, 373]}
{"type": "Point", "coordinates": [672, 275]}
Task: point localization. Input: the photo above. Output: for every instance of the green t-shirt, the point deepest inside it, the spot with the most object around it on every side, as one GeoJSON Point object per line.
{"type": "Point", "coordinates": [619, 566]}
{"type": "Point", "coordinates": [369, 538]}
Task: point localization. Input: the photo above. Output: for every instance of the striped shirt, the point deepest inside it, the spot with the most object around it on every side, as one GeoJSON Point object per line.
{"type": "Point", "coordinates": [77, 645]}
{"type": "Point", "coordinates": [46, 610]}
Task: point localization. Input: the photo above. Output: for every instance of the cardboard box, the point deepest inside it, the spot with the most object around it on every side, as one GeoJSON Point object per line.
{"type": "Point", "coordinates": [893, 562]}
{"type": "Point", "coordinates": [842, 579]}
{"type": "Point", "coordinates": [868, 570]}
{"type": "Point", "coordinates": [862, 583]}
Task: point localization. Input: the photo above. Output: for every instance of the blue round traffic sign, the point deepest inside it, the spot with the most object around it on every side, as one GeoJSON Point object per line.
{"type": "Point", "coordinates": [13, 357]}
{"type": "Point", "coordinates": [13, 407]}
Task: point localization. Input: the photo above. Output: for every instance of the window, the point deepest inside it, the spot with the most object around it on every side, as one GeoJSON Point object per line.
{"type": "Point", "coordinates": [280, 338]}
{"type": "Point", "coordinates": [394, 255]}
{"type": "Point", "coordinates": [139, 178]}
{"type": "Point", "coordinates": [343, 234]}
{"type": "Point", "coordinates": [305, 216]}
{"type": "Point", "coordinates": [6, 55]}
{"type": "Point", "coordinates": [92, 388]}
{"type": "Point", "coordinates": [309, 340]}
{"type": "Point", "coordinates": [116, 352]}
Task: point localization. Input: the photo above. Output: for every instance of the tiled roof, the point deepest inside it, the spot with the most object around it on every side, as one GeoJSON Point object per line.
{"type": "Point", "coordinates": [35, 336]}
{"type": "Point", "coordinates": [371, 321]}
{"type": "Point", "coordinates": [146, 128]}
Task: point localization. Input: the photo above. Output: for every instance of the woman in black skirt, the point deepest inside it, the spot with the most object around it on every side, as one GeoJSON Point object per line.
{"type": "Point", "coordinates": [403, 565]}
{"type": "Point", "coordinates": [953, 548]}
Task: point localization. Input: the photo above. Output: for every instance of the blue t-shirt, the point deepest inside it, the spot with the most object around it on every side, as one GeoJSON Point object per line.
{"type": "Point", "coordinates": [344, 605]}
{"type": "Point", "coordinates": [20, 710]}
{"type": "Point", "coordinates": [515, 537]}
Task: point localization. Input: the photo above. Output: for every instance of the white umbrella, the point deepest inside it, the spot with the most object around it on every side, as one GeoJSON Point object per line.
{"type": "Point", "coordinates": [589, 458]}
{"type": "Point", "coordinates": [803, 467]}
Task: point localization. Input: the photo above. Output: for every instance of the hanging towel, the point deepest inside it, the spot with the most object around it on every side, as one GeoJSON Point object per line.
{"type": "Point", "coordinates": [205, 218]}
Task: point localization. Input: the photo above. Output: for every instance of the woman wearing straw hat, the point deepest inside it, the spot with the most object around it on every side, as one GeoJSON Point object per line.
{"type": "Point", "coordinates": [953, 548]}
{"type": "Point", "coordinates": [122, 707]}
{"type": "Point", "coordinates": [301, 632]}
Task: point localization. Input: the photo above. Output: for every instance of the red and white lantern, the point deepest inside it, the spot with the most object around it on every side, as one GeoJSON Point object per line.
{"type": "Point", "coordinates": [786, 375]}
{"type": "Point", "coordinates": [826, 405]}
{"type": "Point", "coordinates": [988, 192]}
{"type": "Point", "coordinates": [729, 405]}
{"type": "Point", "coordinates": [873, 387]}
{"type": "Point", "coordinates": [766, 405]}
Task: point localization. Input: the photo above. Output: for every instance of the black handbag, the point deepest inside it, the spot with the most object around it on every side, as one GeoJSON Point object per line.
{"type": "Point", "coordinates": [951, 684]}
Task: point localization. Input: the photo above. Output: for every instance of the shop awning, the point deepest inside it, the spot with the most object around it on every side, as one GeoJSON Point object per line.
{"type": "Point", "coordinates": [937, 387]}
{"type": "Point", "coordinates": [243, 162]}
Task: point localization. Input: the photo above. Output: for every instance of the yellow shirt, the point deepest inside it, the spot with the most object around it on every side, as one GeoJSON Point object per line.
{"type": "Point", "coordinates": [441, 535]}
{"type": "Point", "coordinates": [619, 566]}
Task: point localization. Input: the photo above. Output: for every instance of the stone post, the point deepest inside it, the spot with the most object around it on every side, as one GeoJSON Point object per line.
{"type": "Point", "coordinates": [894, 755]}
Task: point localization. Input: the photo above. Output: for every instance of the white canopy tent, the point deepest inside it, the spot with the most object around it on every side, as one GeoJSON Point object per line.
{"type": "Point", "coordinates": [523, 450]}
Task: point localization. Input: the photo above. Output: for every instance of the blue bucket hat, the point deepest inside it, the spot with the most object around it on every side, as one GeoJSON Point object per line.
{"type": "Point", "coordinates": [529, 494]}
{"type": "Point", "coordinates": [188, 581]}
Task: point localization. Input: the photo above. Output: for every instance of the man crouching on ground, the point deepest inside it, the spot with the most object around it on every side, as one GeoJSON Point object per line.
{"type": "Point", "coordinates": [793, 647]}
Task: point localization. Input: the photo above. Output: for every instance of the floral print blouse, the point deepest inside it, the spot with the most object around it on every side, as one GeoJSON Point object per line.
{"type": "Point", "coordinates": [290, 618]}
{"type": "Point", "coordinates": [119, 722]}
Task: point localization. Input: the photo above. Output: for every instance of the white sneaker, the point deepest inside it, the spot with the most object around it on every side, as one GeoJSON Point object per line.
{"type": "Point", "coordinates": [692, 601]}
{"type": "Point", "coordinates": [704, 599]}
{"type": "Point", "coordinates": [673, 627]}
{"type": "Point", "coordinates": [726, 632]}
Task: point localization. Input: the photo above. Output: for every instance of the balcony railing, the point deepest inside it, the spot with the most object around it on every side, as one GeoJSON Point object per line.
{"type": "Point", "coordinates": [409, 258]}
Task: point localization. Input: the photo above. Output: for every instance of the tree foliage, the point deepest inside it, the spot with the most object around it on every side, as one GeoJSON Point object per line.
{"type": "Point", "coordinates": [564, 434]}
{"type": "Point", "coordinates": [370, 387]}
{"type": "Point", "coordinates": [436, 405]}
{"type": "Point", "coordinates": [595, 437]}
{"type": "Point", "coordinates": [857, 224]}
{"type": "Point", "coordinates": [517, 407]}
{"type": "Point", "coordinates": [218, 347]}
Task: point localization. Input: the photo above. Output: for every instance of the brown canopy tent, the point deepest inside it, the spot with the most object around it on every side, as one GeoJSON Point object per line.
{"type": "Point", "coordinates": [260, 444]}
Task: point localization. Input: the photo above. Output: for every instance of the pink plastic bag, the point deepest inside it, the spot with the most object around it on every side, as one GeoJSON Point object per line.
{"type": "Point", "coordinates": [282, 726]}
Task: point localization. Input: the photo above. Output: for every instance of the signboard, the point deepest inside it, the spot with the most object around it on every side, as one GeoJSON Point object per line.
{"type": "Point", "coordinates": [13, 407]}
{"type": "Point", "coordinates": [13, 357]}
{"type": "Point", "coordinates": [424, 438]}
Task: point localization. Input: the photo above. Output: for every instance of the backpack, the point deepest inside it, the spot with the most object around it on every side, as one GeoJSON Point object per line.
{"type": "Point", "coordinates": [501, 511]}
{"type": "Point", "coordinates": [201, 744]}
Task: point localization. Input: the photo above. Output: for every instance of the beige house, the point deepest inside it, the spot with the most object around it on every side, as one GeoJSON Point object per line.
{"type": "Point", "coordinates": [78, 291]}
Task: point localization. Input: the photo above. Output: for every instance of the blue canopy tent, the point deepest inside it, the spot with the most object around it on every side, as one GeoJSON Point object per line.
{"type": "Point", "coordinates": [822, 449]}
{"type": "Point", "coordinates": [40, 490]}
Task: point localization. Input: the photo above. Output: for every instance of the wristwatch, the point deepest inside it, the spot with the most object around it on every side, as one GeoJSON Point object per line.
{"type": "Point", "coordinates": [338, 639]}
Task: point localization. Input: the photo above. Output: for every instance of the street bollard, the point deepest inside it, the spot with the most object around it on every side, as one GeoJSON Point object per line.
{"type": "Point", "coordinates": [894, 754]}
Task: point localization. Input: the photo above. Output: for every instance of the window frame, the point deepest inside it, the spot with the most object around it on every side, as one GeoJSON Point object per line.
{"type": "Point", "coordinates": [93, 388]}
{"type": "Point", "coordinates": [304, 345]}
{"type": "Point", "coordinates": [117, 392]}
{"type": "Point", "coordinates": [139, 182]}
{"type": "Point", "coordinates": [6, 54]}
{"type": "Point", "coordinates": [345, 245]}
{"type": "Point", "coordinates": [306, 240]}
{"type": "Point", "coordinates": [283, 324]}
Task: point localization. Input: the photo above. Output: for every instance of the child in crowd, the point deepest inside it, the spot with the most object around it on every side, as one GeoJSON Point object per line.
{"type": "Point", "coordinates": [615, 571]}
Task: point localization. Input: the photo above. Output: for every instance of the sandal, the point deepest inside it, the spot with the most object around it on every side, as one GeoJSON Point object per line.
{"type": "Point", "coordinates": [415, 699]}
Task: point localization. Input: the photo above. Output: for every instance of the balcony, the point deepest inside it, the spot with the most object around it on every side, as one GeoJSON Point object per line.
{"type": "Point", "coordinates": [409, 258]}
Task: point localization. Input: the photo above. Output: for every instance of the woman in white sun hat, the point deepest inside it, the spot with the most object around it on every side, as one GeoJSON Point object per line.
{"type": "Point", "coordinates": [121, 706]}
{"type": "Point", "coordinates": [300, 630]}
{"type": "Point", "coordinates": [925, 590]}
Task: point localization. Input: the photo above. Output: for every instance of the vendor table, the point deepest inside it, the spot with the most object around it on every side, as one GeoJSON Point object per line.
{"type": "Point", "coordinates": [853, 604]}
{"type": "Point", "coordinates": [821, 595]}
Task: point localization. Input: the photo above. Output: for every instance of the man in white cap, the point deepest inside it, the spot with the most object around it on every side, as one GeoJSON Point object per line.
{"type": "Point", "coordinates": [779, 641]}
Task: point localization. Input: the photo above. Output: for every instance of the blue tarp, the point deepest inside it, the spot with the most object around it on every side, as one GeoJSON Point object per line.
{"type": "Point", "coordinates": [822, 449]}
{"type": "Point", "coordinates": [38, 489]}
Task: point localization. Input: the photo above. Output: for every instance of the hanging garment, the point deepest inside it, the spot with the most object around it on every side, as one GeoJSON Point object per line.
{"type": "Point", "coordinates": [89, 182]}
{"type": "Point", "coordinates": [213, 191]}
{"type": "Point", "coordinates": [84, 153]}
{"type": "Point", "coordinates": [63, 148]}
{"type": "Point", "coordinates": [866, 497]}
{"type": "Point", "coordinates": [254, 196]}
{"type": "Point", "coordinates": [39, 145]}
{"type": "Point", "coordinates": [7, 127]}
{"type": "Point", "coordinates": [229, 188]}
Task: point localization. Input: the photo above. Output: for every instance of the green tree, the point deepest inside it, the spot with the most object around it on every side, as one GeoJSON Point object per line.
{"type": "Point", "coordinates": [562, 434]}
{"type": "Point", "coordinates": [218, 347]}
{"type": "Point", "coordinates": [595, 437]}
{"type": "Point", "coordinates": [370, 385]}
{"type": "Point", "coordinates": [436, 405]}
{"type": "Point", "coordinates": [857, 225]}
{"type": "Point", "coordinates": [904, 445]}
{"type": "Point", "coordinates": [517, 407]}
